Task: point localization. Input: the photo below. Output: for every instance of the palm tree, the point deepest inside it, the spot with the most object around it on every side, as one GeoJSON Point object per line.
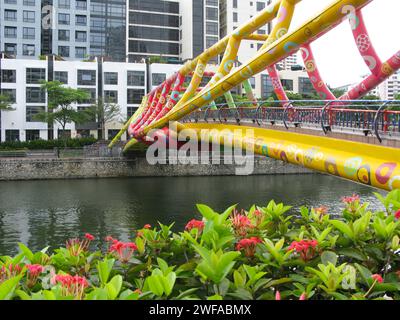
{"type": "Point", "coordinates": [5, 105]}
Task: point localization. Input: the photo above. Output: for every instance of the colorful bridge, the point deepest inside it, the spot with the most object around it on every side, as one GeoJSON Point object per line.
{"type": "Point", "coordinates": [373, 164]}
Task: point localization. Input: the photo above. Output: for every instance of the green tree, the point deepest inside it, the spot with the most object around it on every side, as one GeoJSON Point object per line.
{"type": "Point", "coordinates": [5, 105]}
{"type": "Point", "coordinates": [104, 112]}
{"type": "Point", "coordinates": [60, 107]}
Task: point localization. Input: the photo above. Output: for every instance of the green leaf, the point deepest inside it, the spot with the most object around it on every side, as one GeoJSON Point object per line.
{"type": "Point", "coordinates": [26, 251]}
{"type": "Point", "coordinates": [114, 287]}
{"type": "Point", "coordinates": [8, 287]}
{"type": "Point", "coordinates": [215, 297]}
{"type": "Point", "coordinates": [104, 268]}
{"type": "Point", "coordinates": [343, 227]}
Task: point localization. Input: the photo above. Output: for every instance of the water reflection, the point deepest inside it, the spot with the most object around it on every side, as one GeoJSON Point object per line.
{"type": "Point", "coordinates": [41, 213]}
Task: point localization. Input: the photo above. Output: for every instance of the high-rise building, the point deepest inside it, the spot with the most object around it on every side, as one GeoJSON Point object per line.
{"type": "Point", "coordinates": [390, 88]}
{"type": "Point", "coordinates": [153, 29]}
{"type": "Point", "coordinates": [72, 29]}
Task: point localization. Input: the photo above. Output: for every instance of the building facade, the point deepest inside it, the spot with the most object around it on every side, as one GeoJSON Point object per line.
{"type": "Point", "coordinates": [390, 88]}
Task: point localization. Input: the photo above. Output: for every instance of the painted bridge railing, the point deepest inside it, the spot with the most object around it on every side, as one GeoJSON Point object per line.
{"type": "Point", "coordinates": [370, 117]}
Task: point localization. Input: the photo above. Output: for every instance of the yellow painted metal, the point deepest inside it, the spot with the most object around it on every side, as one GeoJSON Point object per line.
{"type": "Point", "coordinates": [126, 126]}
{"type": "Point", "coordinates": [273, 53]}
{"type": "Point", "coordinates": [373, 165]}
{"type": "Point", "coordinates": [256, 37]}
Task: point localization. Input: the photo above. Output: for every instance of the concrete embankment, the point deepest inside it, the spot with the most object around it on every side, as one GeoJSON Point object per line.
{"type": "Point", "coordinates": [42, 169]}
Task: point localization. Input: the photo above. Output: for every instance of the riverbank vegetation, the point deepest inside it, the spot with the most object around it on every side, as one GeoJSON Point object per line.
{"type": "Point", "coordinates": [269, 253]}
{"type": "Point", "coordinates": [47, 144]}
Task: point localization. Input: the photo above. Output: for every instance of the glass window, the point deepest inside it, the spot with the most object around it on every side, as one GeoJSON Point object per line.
{"type": "Point", "coordinates": [235, 17]}
{"type": "Point", "coordinates": [154, 19]}
{"type": "Point", "coordinates": [131, 111]}
{"type": "Point", "coordinates": [61, 76]}
{"type": "Point", "coordinates": [8, 76]}
{"type": "Point", "coordinates": [156, 47]}
{"type": "Point", "coordinates": [32, 135]}
{"type": "Point", "coordinates": [11, 94]}
{"type": "Point", "coordinates": [28, 50]}
{"type": "Point", "coordinates": [305, 86]}
{"type": "Point", "coordinates": [212, 14]}
{"type": "Point", "coordinates": [32, 111]}
{"type": "Point", "coordinates": [80, 20]}
{"type": "Point", "coordinates": [235, 3]}
{"type": "Point", "coordinates": [35, 95]}
{"type": "Point", "coordinates": [35, 75]}
{"type": "Point", "coordinates": [210, 41]}
{"type": "Point", "coordinates": [135, 96]}
{"type": "Point", "coordinates": [212, 28]}
{"type": "Point", "coordinates": [63, 51]}
{"type": "Point", "coordinates": [66, 134]}
{"type": "Point", "coordinates": [10, 15]}
{"type": "Point", "coordinates": [212, 3]}
{"type": "Point", "coordinates": [80, 52]}
{"type": "Point", "coordinates": [10, 48]}
{"type": "Point", "coordinates": [12, 135]}
{"type": "Point", "coordinates": [80, 36]}
{"type": "Point", "coordinates": [112, 133]}
{"type": "Point", "coordinates": [87, 77]}
{"type": "Point", "coordinates": [10, 32]}
{"type": "Point", "coordinates": [63, 35]}
{"type": "Point", "coordinates": [136, 78]}
{"type": "Point", "coordinates": [266, 86]}
{"type": "Point", "coordinates": [63, 18]}
{"type": "Point", "coordinates": [64, 4]}
{"type": "Point", "coordinates": [28, 33]}
{"type": "Point", "coordinates": [29, 16]}
{"type": "Point", "coordinates": [287, 84]}
{"type": "Point", "coordinates": [260, 6]}
{"type": "Point", "coordinates": [153, 33]}
{"type": "Point", "coordinates": [154, 5]}
{"type": "Point", "coordinates": [158, 78]}
{"type": "Point", "coordinates": [111, 78]}
{"type": "Point", "coordinates": [30, 3]}
{"type": "Point", "coordinates": [111, 96]}
{"type": "Point", "coordinates": [91, 95]}
{"type": "Point", "coordinates": [81, 5]}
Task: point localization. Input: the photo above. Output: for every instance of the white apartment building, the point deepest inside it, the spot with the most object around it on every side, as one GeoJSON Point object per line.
{"type": "Point", "coordinates": [390, 88]}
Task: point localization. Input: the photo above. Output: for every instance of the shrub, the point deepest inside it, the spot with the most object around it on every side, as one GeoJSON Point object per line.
{"type": "Point", "coordinates": [46, 144]}
{"type": "Point", "coordinates": [265, 253]}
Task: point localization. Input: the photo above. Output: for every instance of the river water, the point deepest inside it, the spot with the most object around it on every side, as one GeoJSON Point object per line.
{"type": "Point", "coordinates": [46, 213]}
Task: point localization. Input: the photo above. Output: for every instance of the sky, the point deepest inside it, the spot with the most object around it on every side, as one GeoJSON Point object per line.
{"type": "Point", "coordinates": [336, 53]}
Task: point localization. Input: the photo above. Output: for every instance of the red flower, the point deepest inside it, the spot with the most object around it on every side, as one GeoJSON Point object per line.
{"type": "Point", "coordinates": [303, 296]}
{"type": "Point", "coordinates": [377, 277]}
{"type": "Point", "coordinates": [306, 248]}
{"type": "Point", "coordinates": [321, 210]}
{"type": "Point", "coordinates": [147, 226]}
{"type": "Point", "coordinates": [109, 239]}
{"type": "Point", "coordinates": [248, 245]}
{"type": "Point", "coordinates": [241, 224]}
{"type": "Point", "coordinates": [195, 224]}
{"type": "Point", "coordinates": [123, 250]}
{"type": "Point", "coordinates": [352, 199]}
{"type": "Point", "coordinates": [397, 214]}
{"type": "Point", "coordinates": [72, 285]}
{"type": "Point", "coordinates": [34, 271]}
{"type": "Point", "coordinates": [9, 272]}
{"type": "Point", "coordinates": [277, 295]}
{"type": "Point", "coordinates": [89, 237]}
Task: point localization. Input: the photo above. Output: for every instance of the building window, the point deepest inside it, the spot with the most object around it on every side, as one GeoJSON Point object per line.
{"type": "Point", "coordinates": [212, 3]}
{"type": "Point", "coordinates": [10, 48]}
{"type": "Point", "coordinates": [112, 133]}
{"type": "Point", "coordinates": [11, 94]}
{"type": "Point", "coordinates": [63, 18]}
{"type": "Point", "coordinates": [235, 4]}
{"type": "Point", "coordinates": [35, 95]}
{"type": "Point", "coordinates": [81, 5]}
{"type": "Point", "coordinates": [252, 81]}
{"type": "Point", "coordinates": [212, 14]}
{"type": "Point", "coordinates": [87, 77]}
{"type": "Point", "coordinates": [35, 75]}
{"type": "Point", "coordinates": [10, 1]}
{"type": "Point", "coordinates": [287, 84]}
{"type": "Point", "coordinates": [10, 32]}
{"type": "Point", "coordinates": [28, 50]}
{"type": "Point", "coordinates": [32, 111]}
{"type": "Point", "coordinates": [64, 4]}
{"type": "Point", "coordinates": [235, 17]}
{"type": "Point", "coordinates": [158, 78]}
{"type": "Point", "coordinates": [29, 3]}
{"type": "Point", "coordinates": [28, 33]}
{"type": "Point", "coordinates": [212, 28]}
{"type": "Point", "coordinates": [29, 16]}
{"type": "Point", "coordinates": [80, 36]}
{"type": "Point", "coordinates": [10, 15]}
{"type": "Point", "coordinates": [210, 41]}
{"type": "Point", "coordinates": [80, 20]}
{"type": "Point", "coordinates": [63, 51]}
{"type": "Point", "coordinates": [12, 135]}
{"type": "Point", "coordinates": [305, 86]}
{"type": "Point", "coordinates": [131, 111]}
{"type": "Point", "coordinates": [63, 35]}
{"type": "Point", "coordinates": [8, 76]}
{"type": "Point", "coordinates": [111, 78]}
{"type": "Point", "coordinates": [65, 134]}
{"type": "Point", "coordinates": [61, 76]}
{"type": "Point", "coordinates": [91, 92]}
{"type": "Point", "coordinates": [260, 6]}
{"type": "Point", "coordinates": [136, 78]}
{"type": "Point", "coordinates": [111, 96]}
{"type": "Point", "coordinates": [32, 135]}
{"type": "Point", "coordinates": [80, 52]}
{"type": "Point", "coordinates": [266, 86]}
{"type": "Point", "coordinates": [135, 96]}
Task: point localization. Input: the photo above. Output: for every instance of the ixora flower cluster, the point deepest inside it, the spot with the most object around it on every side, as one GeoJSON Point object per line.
{"type": "Point", "coordinates": [267, 253]}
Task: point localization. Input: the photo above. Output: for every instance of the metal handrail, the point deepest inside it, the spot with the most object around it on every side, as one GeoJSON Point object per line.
{"type": "Point", "coordinates": [323, 116]}
{"type": "Point", "coordinates": [289, 105]}
{"type": "Point", "coordinates": [381, 108]}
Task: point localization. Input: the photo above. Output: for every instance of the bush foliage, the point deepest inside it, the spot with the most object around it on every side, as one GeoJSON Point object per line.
{"type": "Point", "coordinates": [46, 144]}
{"type": "Point", "coordinates": [265, 253]}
